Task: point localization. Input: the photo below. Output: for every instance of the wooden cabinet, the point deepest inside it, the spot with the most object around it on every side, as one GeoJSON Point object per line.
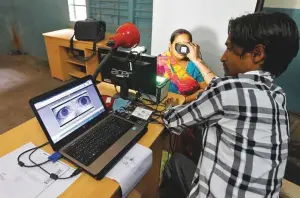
{"type": "Point", "coordinates": [63, 65]}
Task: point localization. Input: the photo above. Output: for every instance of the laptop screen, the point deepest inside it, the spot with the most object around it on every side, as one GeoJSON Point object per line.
{"type": "Point", "coordinates": [65, 112]}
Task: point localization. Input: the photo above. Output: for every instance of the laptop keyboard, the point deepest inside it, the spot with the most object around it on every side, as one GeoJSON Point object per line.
{"type": "Point", "coordinates": [88, 148]}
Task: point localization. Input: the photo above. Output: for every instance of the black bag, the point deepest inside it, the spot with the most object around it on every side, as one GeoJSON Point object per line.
{"type": "Point", "coordinates": [88, 30]}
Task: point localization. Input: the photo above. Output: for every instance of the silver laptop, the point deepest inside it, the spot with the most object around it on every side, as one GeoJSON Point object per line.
{"type": "Point", "coordinates": [78, 125]}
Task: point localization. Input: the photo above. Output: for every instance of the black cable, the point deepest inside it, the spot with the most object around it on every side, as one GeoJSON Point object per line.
{"type": "Point", "coordinates": [157, 113]}
{"type": "Point", "coordinates": [156, 108]}
{"type": "Point", "coordinates": [52, 175]}
{"type": "Point", "coordinates": [139, 103]}
{"type": "Point", "coordinates": [155, 103]}
{"type": "Point", "coordinates": [169, 150]}
{"type": "Point", "coordinates": [37, 165]}
{"type": "Point", "coordinates": [76, 172]}
{"type": "Point", "coordinates": [31, 166]}
{"type": "Point", "coordinates": [156, 121]}
{"type": "Point", "coordinates": [116, 89]}
{"type": "Point", "coordinates": [148, 107]}
{"type": "Point", "coordinates": [104, 62]}
{"type": "Point", "coordinates": [82, 59]}
{"type": "Point", "coordinates": [174, 143]}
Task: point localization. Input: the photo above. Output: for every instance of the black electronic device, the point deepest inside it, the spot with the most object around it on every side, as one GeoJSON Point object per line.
{"type": "Point", "coordinates": [130, 71]}
{"type": "Point", "coordinates": [182, 49]}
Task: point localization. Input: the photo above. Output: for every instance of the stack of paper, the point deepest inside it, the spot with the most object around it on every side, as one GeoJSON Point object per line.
{"type": "Point", "coordinates": [16, 181]}
{"type": "Point", "coordinates": [131, 168]}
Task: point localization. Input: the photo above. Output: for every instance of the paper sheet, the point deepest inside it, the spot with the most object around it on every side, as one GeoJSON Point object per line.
{"type": "Point", "coordinates": [16, 181]}
{"type": "Point", "coordinates": [131, 168]}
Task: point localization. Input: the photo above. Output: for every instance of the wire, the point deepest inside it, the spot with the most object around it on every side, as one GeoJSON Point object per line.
{"type": "Point", "coordinates": [174, 143]}
{"type": "Point", "coordinates": [37, 165]}
{"type": "Point", "coordinates": [32, 149]}
{"type": "Point", "coordinates": [116, 89]}
{"type": "Point", "coordinates": [155, 103]}
{"type": "Point", "coordinates": [156, 121]}
{"type": "Point", "coordinates": [157, 113]}
{"type": "Point", "coordinates": [76, 172]}
{"type": "Point", "coordinates": [148, 107]}
{"type": "Point", "coordinates": [169, 150]}
{"type": "Point", "coordinates": [52, 175]}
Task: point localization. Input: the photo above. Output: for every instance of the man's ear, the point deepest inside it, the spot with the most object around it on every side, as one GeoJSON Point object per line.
{"type": "Point", "coordinates": [258, 54]}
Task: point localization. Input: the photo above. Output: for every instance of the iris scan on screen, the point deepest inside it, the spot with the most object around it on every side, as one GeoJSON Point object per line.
{"type": "Point", "coordinates": [72, 109]}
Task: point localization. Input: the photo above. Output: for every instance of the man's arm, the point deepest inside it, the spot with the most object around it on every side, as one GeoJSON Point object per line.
{"type": "Point", "coordinates": [208, 105]}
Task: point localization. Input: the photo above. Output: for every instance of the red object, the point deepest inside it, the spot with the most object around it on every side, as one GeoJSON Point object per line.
{"type": "Point", "coordinates": [108, 102]}
{"type": "Point", "coordinates": [127, 36]}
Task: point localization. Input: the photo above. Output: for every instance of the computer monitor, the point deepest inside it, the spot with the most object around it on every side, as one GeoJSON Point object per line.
{"type": "Point", "coordinates": [130, 71]}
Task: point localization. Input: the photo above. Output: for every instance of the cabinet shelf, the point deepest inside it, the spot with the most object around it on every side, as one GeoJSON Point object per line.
{"type": "Point", "coordinates": [77, 74]}
{"type": "Point", "coordinates": [76, 62]}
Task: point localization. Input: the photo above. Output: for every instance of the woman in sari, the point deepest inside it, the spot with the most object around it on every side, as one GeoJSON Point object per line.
{"type": "Point", "coordinates": [185, 77]}
{"type": "Point", "coordinates": [187, 80]}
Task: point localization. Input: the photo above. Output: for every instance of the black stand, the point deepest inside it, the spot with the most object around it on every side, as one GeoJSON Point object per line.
{"type": "Point", "coordinates": [103, 62]}
{"type": "Point", "coordinates": [124, 90]}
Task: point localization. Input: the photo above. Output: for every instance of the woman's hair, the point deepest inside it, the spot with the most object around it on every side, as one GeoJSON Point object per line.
{"type": "Point", "coordinates": [179, 32]}
{"type": "Point", "coordinates": [277, 32]}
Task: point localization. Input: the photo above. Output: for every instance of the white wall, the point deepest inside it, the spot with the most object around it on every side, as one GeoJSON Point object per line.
{"type": "Point", "coordinates": [207, 20]}
{"type": "Point", "coordinates": [294, 4]}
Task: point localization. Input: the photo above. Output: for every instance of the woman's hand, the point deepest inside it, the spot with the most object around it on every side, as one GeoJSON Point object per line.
{"type": "Point", "coordinates": [194, 54]}
{"type": "Point", "coordinates": [195, 57]}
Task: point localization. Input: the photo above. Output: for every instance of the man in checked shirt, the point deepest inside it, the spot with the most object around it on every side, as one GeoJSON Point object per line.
{"type": "Point", "coordinates": [243, 115]}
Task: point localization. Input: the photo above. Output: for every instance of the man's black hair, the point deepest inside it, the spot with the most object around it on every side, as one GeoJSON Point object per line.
{"type": "Point", "coordinates": [277, 32]}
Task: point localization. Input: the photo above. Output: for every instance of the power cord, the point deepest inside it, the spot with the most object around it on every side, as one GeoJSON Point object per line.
{"type": "Point", "coordinates": [153, 109]}
{"type": "Point", "coordinates": [138, 102]}
{"type": "Point", "coordinates": [156, 112]}
{"type": "Point", "coordinates": [54, 157]}
{"type": "Point", "coordinates": [171, 149]}
{"type": "Point", "coordinates": [116, 89]}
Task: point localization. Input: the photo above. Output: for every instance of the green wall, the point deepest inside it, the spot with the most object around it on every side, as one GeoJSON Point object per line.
{"type": "Point", "coordinates": [6, 18]}
{"type": "Point", "coordinates": [31, 18]}
{"type": "Point", "coordinates": [289, 81]}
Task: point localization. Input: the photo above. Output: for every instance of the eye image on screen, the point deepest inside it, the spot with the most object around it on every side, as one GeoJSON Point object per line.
{"type": "Point", "coordinates": [71, 109]}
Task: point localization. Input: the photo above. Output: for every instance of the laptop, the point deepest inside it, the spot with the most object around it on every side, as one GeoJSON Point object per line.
{"type": "Point", "coordinates": [78, 125]}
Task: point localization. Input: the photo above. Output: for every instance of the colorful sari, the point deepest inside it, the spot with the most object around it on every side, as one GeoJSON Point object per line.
{"type": "Point", "coordinates": [183, 81]}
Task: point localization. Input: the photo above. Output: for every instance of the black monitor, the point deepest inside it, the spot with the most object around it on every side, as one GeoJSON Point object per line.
{"type": "Point", "coordinates": [130, 71]}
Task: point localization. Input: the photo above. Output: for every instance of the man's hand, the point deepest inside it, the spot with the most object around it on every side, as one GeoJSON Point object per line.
{"type": "Point", "coordinates": [171, 102]}
{"type": "Point", "coordinates": [194, 54]}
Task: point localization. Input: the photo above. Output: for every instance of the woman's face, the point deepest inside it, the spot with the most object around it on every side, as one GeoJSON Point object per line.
{"type": "Point", "coordinates": [182, 38]}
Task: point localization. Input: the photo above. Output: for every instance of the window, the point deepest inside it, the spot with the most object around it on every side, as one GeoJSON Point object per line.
{"type": "Point", "coordinates": [77, 10]}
